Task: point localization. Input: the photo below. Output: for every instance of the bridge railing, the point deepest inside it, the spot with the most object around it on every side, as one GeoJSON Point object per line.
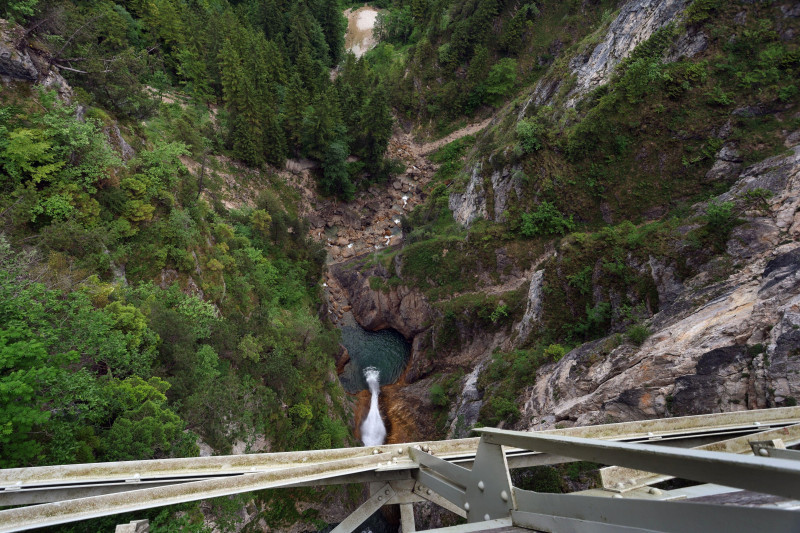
{"type": "Point", "coordinates": [468, 476]}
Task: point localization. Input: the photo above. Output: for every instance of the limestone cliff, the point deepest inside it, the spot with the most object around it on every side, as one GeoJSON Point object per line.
{"type": "Point", "coordinates": [719, 346]}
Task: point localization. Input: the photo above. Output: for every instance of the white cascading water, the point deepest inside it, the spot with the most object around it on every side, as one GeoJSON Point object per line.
{"type": "Point", "coordinates": [373, 432]}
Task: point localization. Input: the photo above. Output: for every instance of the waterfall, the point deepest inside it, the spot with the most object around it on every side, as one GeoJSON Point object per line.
{"type": "Point", "coordinates": [372, 430]}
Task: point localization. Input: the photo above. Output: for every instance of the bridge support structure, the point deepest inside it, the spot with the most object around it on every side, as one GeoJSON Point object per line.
{"type": "Point", "coordinates": [747, 478]}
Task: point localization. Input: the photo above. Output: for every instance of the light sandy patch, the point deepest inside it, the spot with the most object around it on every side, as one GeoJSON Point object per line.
{"type": "Point", "coordinates": [366, 20]}
{"type": "Point", "coordinates": [360, 23]}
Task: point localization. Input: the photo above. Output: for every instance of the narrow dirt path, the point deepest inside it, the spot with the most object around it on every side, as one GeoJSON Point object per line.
{"type": "Point", "coordinates": [470, 129]}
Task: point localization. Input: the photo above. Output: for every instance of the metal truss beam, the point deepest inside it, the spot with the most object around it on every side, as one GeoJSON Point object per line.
{"type": "Point", "coordinates": [439, 475]}
{"type": "Point", "coordinates": [619, 478]}
{"type": "Point", "coordinates": [780, 477]}
{"type": "Point", "coordinates": [82, 509]}
{"type": "Point", "coordinates": [661, 516]}
{"type": "Point", "coordinates": [365, 510]}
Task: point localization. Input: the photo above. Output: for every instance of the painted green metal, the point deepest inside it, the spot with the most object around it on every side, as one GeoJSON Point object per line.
{"type": "Point", "coordinates": [488, 491]}
{"type": "Point", "coordinates": [548, 523]}
{"type": "Point", "coordinates": [621, 479]}
{"type": "Point", "coordinates": [407, 524]}
{"type": "Point", "coordinates": [780, 477]}
{"type": "Point", "coordinates": [777, 453]}
{"type": "Point", "coordinates": [661, 516]}
{"type": "Point", "coordinates": [442, 486]}
{"type": "Point", "coordinates": [50, 514]}
{"type": "Point", "coordinates": [467, 476]}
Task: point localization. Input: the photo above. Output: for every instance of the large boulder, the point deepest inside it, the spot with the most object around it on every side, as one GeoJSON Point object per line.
{"type": "Point", "coordinates": [15, 63]}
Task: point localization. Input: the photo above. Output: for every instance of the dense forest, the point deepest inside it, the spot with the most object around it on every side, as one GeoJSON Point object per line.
{"type": "Point", "coordinates": [145, 315]}
{"type": "Point", "coordinates": [138, 312]}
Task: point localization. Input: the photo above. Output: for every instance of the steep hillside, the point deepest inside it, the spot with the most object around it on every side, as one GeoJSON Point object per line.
{"type": "Point", "coordinates": [638, 186]}
{"type": "Point", "coordinates": [158, 294]}
{"type": "Point", "coordinates": [574, 211]}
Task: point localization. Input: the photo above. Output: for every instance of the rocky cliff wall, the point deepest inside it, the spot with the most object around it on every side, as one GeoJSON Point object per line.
{"type": "Point", "coordinates": [716, 346]}
{"type": "Point", "coordinates": [20, 63]}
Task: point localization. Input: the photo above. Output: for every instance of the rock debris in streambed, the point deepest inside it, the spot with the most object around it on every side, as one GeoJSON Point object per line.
{"type": "Point", "coordinates": [371, 222]}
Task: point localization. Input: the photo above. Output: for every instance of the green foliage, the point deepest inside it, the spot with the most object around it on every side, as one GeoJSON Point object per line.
{"type": "Point", "coordinates": [438, 396]}
{"type": "Point", "coordinates": [702, 10]}
{"type": "Point", "coordinates": [144, 427]}
{"type": "Point", "coordinates": [501, 80]}
{"type": "Point", "coordinates": [719, 216]}
{"type": "Point", "coordinates": [396, 25]}
{"type": "Point", "coordinates": [594, 324]}
{"type": "Point", "coordinates": [555, 352]}
{"type": "Point", "coordinates": [336, 179]}
{"type": "Point", "coordinates": [17, 10]}
{"type": "Point", "coordinates": [638, 334]}
{"type": "Point", "coordinates": [720, 220]}
{"type": "Point", "coordinates": [500, 409]}
{"type": "Point", "coordinates": [545, 479]}
{"type": "Point", "coordinates": [500, 312]}
{"type": "Point", "coordinates": [530, 134]}
{"type": "Point", "coordinates": [582, 281]}
{"type": "Point", "coordinates": [546, 220]}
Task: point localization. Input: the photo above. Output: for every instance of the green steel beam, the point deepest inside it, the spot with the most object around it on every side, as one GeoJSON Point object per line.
{"type": "Point", "coordinates": [780, 477]}
{"type": "Point", "coordinates": [661, 516]}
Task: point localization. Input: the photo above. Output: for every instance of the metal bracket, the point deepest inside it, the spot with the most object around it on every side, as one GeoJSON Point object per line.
{"type": "Point", "coordinates": [488, 491]}
{"type": "Point", "coordinates": [774, 448]}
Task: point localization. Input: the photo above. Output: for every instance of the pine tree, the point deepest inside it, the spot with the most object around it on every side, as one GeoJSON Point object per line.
{"type": "Point", "coordinates": [295, 108]}
{"type": "Point", "coordinates": [335, 178]}
{"type": "Point", "coordinates": [322, 124]}
{"type": "Point", "coordinates": [377, 124]}
{"type": "Point", "coordinates": [353, 84]}
{"type": "Point", "coordinates": [333, 26]}
{"type": "Point", "coordinates": [419, 10]}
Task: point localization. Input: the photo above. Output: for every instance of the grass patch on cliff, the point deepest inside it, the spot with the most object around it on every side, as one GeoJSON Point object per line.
{"type": "Point", "coordinates": [641, 144]}
{"type": "Point", "coordinates": [602, 281]}
{"type": "Point", "coordinates": [505, 377]}
{"type": "Point", "coordinates": [438, 264]}
{"type": "Point", "coordinates": [441, 394]}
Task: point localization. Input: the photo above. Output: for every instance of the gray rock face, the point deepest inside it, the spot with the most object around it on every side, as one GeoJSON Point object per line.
{"type": "Point", "coordinates": [470, 204]}
{"type": "Point", "coordinates": [636, 22]}
{"type": "Point", "coordinates": [667, 283]}
{"type": "Point", "coordinates": [715, 347]}
{"type": "Point", "coordinates": [688, 45]}
{"type": "Point", "coordinates": [14, 64]}
{"type": "Point", "coordinates": [728, 163]}
{"type": "Point", "coordinates": [719, 375]}
{"type": "Point", "coordinates": [465, 413]}
{"type": "Point", "coordinates": [18, 63]}
{"type": "Point", "coordinates": [400, 308]}
{"type": "Point", "coordinates": [533, 311]}
{"type": "Point", "coordinates": [502, 185]}
{"type": "Point", "coordinates": [543, 92]}
{"type": "Point", "coordinates": [116, 139]}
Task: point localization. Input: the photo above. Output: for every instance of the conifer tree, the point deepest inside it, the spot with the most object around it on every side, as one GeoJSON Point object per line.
{"type": "Point", "coordinates": [377, 123]}
{"type": "Point", "coordinates": [295, 109]}
{"type": "Point", "coordinates": [333, 26]}
{"type": "Point", "coordinates": [335, 178]}
{"type": "Point", "coordinates": [322, 124]}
